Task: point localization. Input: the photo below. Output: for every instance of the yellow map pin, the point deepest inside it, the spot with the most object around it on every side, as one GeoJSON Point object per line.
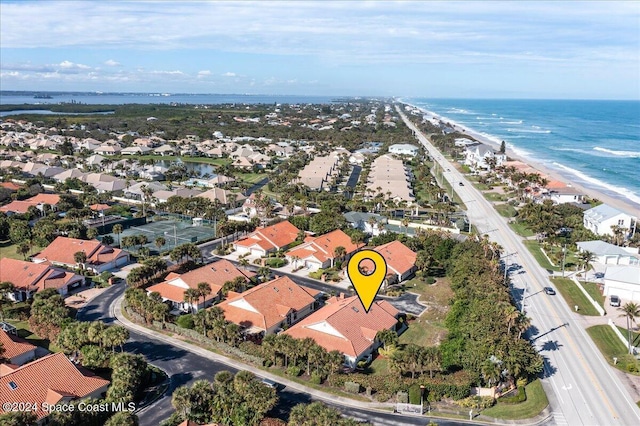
{"type": "Point", "coordinates": [367, 270]}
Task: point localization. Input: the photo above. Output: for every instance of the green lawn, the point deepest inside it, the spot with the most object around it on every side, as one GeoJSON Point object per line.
{"type": "Point", "coordinates": [379, 366]}
{"type": "Point", "coordinates": [536, 251]}
{"type": "Point", "coordinates": [482, 186]}
{"type": "Point", "coordinates": [521, 229]}
{"type": "Point", "coordinates": [594, 292]}
{"type": "Point", "coordinates": [574, 296]}
{"type": "Point", "coordinates": [536, 402]}
{"type": "Point", "coordinates": [25, 333]}
{"type": "Point", "coordinates": [251, 177]}
{"type": "Point", "coordinates": [494, 196]}
{"type": "Point", "coordinates": [506, 210]}
{"type": "Point", "coordinates": [10, 250]}
{"type": "Point", "coordinates": [635, 337]}
{"type": "Point", "coordinates": [611, 346]}
{"type": "Point", "coordinates": [429, 328]}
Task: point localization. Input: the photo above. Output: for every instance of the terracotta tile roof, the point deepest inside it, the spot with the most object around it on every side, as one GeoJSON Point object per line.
{"type": "Point", "coordinates": [62, 250]}
{"type": "Point", "coordinates": [10, 185]}
{"type": "Point", "coordinates": [267, 304]}
{"type": "Point", "coordinates": [51, 199]}
{"type": "Point", "coordinates": [216, 274]}
{"type": "Point", "coordinates": [399, 257]}
{"type": "Point", "coordinates": [32, 276]}
{"type": "Point", "coordinates": [16, 206]}
{"type": "Point", "coordinates": [99, 207]}
{"type": "Point", "coordinates": [324, 246]}
{"type": "Point", "coordinates": [555, 184]}
{"type": "Point", "coordinates": [13, 345]}
{"type": "Point", "coordinates": [36, 381]}
{"type": "Point", "coordinates": [272, 237]}
{"type": "Point", "coordinates": [344, 325]}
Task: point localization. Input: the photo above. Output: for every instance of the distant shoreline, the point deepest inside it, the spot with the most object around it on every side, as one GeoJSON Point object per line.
{"type": "Point", "coordinates": [618, 201]}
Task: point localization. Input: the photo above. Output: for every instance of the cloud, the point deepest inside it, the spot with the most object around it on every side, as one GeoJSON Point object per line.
{"type": "Point", "coordinates": [68, 65]}
{"type": "Point", "coordinates": [112, 63]}
{"type": "Point", "coordinates": [229, 74]}
{"type": "Point", "coordinates": [204, 73]}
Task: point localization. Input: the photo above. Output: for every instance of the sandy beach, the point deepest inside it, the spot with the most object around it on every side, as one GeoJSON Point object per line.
{"type": "Point", "coordinates": [625, 205]}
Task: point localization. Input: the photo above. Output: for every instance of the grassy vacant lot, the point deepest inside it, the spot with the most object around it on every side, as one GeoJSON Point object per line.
{"type": "Point", "coordinates": [10, 250]}
{"type": "Point", "coordinates": [251, 178]}
{"type": "Point", "coordinates": [574, 296]}
{"type": "Point", "coordinates": [429, 329]}
{"type": "Point", "coordinates": [25, 333]}
{"type": "Point", "coordinates": [494, 196]}
{"type": "Point", "coordinates": [536, 402]}
{"type": "Point", "coordinates": [610, 345]}
{"type": "Point", "coordinates": [506, 210]}
{"type": "Point", "coordinates": [521, 229]}
{"type": "Point", "coordinates": [594, 292]}
{"type": "Point", "coordinates": [536, 251]}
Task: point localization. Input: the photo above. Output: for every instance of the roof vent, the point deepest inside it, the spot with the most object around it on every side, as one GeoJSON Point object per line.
{"type": "Point", "coordinates": [277, 291]}
{"type": "Point", "coordinates": [13, 385]}
{"type": "Point", "coordinates": [355, 309]}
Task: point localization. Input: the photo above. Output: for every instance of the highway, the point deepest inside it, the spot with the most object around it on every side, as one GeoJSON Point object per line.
{"type": "Point", "coordinates": [581, 386]}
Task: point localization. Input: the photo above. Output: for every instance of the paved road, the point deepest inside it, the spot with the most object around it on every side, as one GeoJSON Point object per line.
{"type": "Point", "coordinates": [581, 386]}
{"type": "Point", "coordinates": [184, 367]}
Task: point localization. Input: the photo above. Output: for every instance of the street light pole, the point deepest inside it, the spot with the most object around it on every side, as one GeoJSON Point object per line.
{"type": "Point", "coordinates": [421, 399]}
{"type": "Point", "coordinates": [564, 254]}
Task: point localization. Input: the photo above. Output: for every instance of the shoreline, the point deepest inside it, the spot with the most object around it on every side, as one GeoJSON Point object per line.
{"type": "Point", "coordinates": [592, 190]}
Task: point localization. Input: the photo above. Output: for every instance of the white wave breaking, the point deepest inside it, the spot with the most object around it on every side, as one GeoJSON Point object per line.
{"type": "Point", "coordinates": [625, 192]}
{"type": "Point", "coordinates": [628, 154]}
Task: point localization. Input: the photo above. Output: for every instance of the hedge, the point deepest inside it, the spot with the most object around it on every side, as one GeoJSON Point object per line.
{"type": "Point", "coordinates": [276, 262]}
{"type": "Point", "coordinates": [520, 396]}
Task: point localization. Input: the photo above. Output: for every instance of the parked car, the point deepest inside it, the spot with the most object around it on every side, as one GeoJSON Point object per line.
{"type": "Point", "coordinates": [549, 291]}
{"type": "Point", "coordinates": [269, 383]}
{"type": "Point", "coordinates": [460, 183]}
{"type": "Point", "coordinates": [614, 301]}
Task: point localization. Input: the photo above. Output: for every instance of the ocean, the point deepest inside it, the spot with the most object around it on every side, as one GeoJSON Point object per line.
{"type": "Point", "coordinates": [593, 143]}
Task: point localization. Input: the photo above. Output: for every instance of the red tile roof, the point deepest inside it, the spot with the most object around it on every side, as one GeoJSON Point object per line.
{"type": "Point", "coordinates": [35, 276]}
{"type": "Point", "coordinates": [62, 250]}
{"type": "Point", "coordinates": [324, 246]}
{"type": "Point", "coordinates": [13, 345]}
{"type": "Point", "coordinates": [16, 206]}
{"type": "Point", "coordinates": [270, 301]}
{"type": "Point", "coordinates": [272, 237]}
{"type": "Point", "coordinates": [51, 199]}
{"type": "Point", "coordinates": [10, 185]}
{"type": "Point", "coordinates": [39, 381]}
{"type": "Point", "coordinates": [399, 257]}
{"type": "Point", "coordinates": [353, 329]}
{"type": "Point", "coordinates": [99, 207]}
{"type": "Point", "coordinates": [215, 274]}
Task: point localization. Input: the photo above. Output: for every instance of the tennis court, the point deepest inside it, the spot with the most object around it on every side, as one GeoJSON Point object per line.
{"type": "Point", "coordinates": [174, 232]}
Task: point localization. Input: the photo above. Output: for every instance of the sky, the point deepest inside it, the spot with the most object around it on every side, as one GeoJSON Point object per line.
{"type": "Point", "coordinates": [563, 50]}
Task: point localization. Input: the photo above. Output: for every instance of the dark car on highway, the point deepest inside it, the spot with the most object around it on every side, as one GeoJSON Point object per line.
{"type": "Point", "coordinates": [549, 291]}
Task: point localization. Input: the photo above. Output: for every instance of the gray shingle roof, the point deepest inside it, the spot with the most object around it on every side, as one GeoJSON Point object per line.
{"type": "Point", "coordinates": [602, 212]}
{"type": "Point", "coordinates": [601, 248]}
{"type": "Point", "coordinates": [626, 274]}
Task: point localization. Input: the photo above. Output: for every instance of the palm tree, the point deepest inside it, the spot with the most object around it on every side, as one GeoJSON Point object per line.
{"type": "Point", "coordinates": [80, 258]}
{"type": "Point", "coordinates": [244, 263]}
{"type": "Point", "coordinates": [204, 289]}
{"type": "Point", "coordinates": [191, 295]}
{"type": "Point", "coordinates": [631, 311]}
{"type": "Point", "coordinates": [160, 242]}
{"type": "Point", "coordinates": [338, 252]}
{"type": "Point", "coordinates": [117, 229]}
{"type": "Point", "coordinates": [585, 258]}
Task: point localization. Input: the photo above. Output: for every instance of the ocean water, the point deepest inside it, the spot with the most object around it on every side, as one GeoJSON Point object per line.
{"type": "Point", "coordinates": [593, 143]}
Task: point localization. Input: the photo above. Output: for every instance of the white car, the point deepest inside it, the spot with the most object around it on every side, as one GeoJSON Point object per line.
{"type": "Point", "coordinates": [614, 301]}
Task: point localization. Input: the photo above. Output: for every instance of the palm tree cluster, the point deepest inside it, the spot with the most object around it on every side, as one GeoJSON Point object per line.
{"type": "Point", "coordinates": [483, 323]}
{"type": "Point", "coordinates": [228, 400]}
{"type": "Point", "coordinates": [416, 359]}
{"type": "Point", "coordinates": [212, 324]}
{"type": "Point", "coordinates": [185, 251]}
{"type": "Point", "coordinates": [282, 349]}
{"type": "Point", "coordinates": [630, 311]}
{"type": "Point", "coordinates": [48, 314]}
{"type": "Point", "coordinates": [151, 269]}
{"type": "Point", "coordinates": [522, 181]}
{"type": "Point", "coordinates": [194, 207]}
{"type": "Point", "coordinates": [92, 339]}
{"type": "Point", "coordinates": [193, 295]}
{"type": "Point", "coordinates": [150, 307]}
{"type": "Point", "coordinates": [130, 372]}
{"type": "Point", "coordinates": [319, 414]}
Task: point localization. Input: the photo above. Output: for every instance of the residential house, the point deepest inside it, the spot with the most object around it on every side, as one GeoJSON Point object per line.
{"type": "Point", "coordinates": [404, 149]}
{"type": "Point", "coordinates": [268, 239]}
{"type": "Point", "coordinates": [623, 281]}
{"type": "Point", "coordinates": [560, 192]}
{"type": "Point", "coordinates": [52, 379]}
{"type": "Point", "coordinates": [400, 259]}
{"type": "Point", "coordinates": [17, 351]}
{"type": "Point", "coordinates": [389, 177]}
{"type": "Point", "coordinates": [135, 191]}
{"type": "Point", "coordinates": [370, 223]}
{"type": "Point", "coordinates": [226, 197]}
{"type": "Point", "coordinates": [165, 150]}
{"type": "Point", "coordinates": [601, 219]}
{"type": "Point", "coordinates": [100, 257]}
{"type": "Point", "coordinates": [320, 252]}
{"type": "Point", "coordinates": [343, 325]}
{"type": "Point", "coordinates": [163, 195]}
{"type": "Point", "coordinates": [215, 274]}
{"type": "Point", "coordinates": [135, 150]}
{"type": "Point", "coordinates": [108, 150]}
{"type": "Point", "coordinates": [38, 201]}
{"type": "Point", "coordinates": [609, 254]}
{"type": "Point", "coordinates": [271, 306]}
{"type": "Point", "coordinates": [482, 157]}
{"type": "Point", "coordinates": [28, 278]}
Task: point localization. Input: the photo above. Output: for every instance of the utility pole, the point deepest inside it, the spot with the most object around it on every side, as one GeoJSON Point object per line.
{"type": "Point", "coordinates": [564, 254]}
